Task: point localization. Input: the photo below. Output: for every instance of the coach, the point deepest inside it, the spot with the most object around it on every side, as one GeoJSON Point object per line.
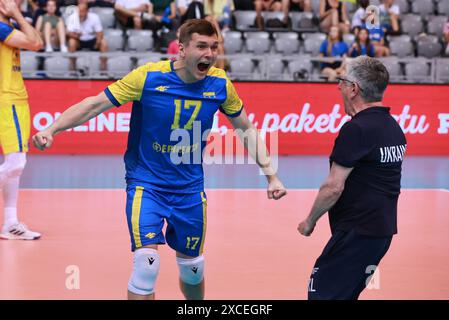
{"type": "Point", "coordinates": [362, 189]}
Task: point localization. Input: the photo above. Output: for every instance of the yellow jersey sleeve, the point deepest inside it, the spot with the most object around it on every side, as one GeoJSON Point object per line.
{"type": "Point", "coordinates": [233, 106]}
{"type": "Point", "coordinates": [129, 88]}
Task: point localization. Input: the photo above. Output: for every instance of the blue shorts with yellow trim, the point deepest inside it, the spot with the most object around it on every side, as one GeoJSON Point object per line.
{"type": "Point", "coordinates": [14, 127]}
{"type": "Point", "coordinates": [185, 214]}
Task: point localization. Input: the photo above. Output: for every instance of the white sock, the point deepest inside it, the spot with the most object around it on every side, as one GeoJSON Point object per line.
{"type": "Point", "coordinates": [10, 195]}
{"type": "Point", "coordinates": [10, 216]}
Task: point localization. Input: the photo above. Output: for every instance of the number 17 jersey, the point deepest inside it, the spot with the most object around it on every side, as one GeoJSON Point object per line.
{"type": "Point", "coordinates": [169, 124]}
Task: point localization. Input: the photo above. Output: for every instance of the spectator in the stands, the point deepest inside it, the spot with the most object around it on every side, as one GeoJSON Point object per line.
{"type": "Point", "coordinates": [333, 13]}
{"type": "Point", "coordinates": [244, 5]}
{"type": "Point", "coordinates": [265, 5]}
{"type": "Point", "coordinates": [446, 37]}
{"type": "Point", "coordinates": [173, 47]}
{"type": "Point", "coordinates": [52, 28]}
{"type": "Point", "coordinates": [377, 38]}
{"type": "Point", "coordinates": [38, 8]}
{"type": "Point", "coordinates": [362, 45]}
{"type": "Point", "coordinates": [358, 19]}
{"type": "Point", "coordinates": [163, 18]}
{"type": "Point", "coordinates": [26, 10]}
{"type": "Point", "coordinates": [295, 6]}
{"type": "Point", "coordinates": [190, 9]}
{"type": "Point", "coordinates": [132, 13]}
{"type": "Point", "coordinates": [101, 3]}
{"type": "Point", "coordinates": [389, 17]}
{"type": "Point", "coordinates": [333, 46]}
{"type": "Point", "coordinates": [164, 11]}
{"type": "Point", "coordinates": [220, 11]}
{"type": "Point", "coordinates": [87, 35]}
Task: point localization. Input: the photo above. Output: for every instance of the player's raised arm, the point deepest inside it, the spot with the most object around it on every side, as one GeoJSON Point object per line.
{"type": "Point", "coordinates": [28, 37]}
{"type": "Point", "coordinates": [72, 117]}
{"type": "Point", "coordinates": [258, 151]}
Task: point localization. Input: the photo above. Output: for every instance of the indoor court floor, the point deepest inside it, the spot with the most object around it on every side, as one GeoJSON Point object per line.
{"type": "Point", "coordinates": [252, 248]}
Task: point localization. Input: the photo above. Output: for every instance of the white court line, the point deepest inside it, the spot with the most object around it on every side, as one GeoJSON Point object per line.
{"type": "Point", "coordinates": [224, 189]}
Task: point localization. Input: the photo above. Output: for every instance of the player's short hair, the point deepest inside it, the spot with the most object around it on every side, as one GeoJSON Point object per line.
{"type": "Point", "coordinates": [200, 26]}
{"type": "Point", "coordinates": [371, 75]}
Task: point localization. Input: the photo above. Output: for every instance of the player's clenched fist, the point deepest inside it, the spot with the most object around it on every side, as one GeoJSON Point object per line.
{"type": "Point", "coordinates": [43, 140]}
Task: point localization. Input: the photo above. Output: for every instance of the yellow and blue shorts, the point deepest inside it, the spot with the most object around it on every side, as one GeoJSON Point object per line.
{"type": "Point", "coordinates": [14, 127]}
{"type": "Point", "coordinates": [185, 214]}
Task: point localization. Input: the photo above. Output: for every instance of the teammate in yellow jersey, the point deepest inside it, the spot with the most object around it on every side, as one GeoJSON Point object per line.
{"type": "Point", "coordinates": [164, 176]}
{"type": "Point", "coordinates": [14, 114]}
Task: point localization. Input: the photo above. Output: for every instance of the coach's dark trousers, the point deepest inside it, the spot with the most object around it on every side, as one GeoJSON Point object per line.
{"type": "Point", "coordinates": [346, 265]}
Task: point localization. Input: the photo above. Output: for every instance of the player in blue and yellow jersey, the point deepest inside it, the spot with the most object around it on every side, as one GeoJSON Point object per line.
{"type": "Point", "coordinates": [14, 114]}
{"type": "Point", "coordinates": [173, 102]}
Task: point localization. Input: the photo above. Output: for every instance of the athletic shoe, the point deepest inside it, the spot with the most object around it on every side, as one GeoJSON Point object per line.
{"type": "Point", "coordinates": [18, 231]}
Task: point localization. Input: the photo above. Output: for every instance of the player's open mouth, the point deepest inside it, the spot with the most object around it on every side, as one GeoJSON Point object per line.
{"type": "Point", "coordinates": [203, 66]}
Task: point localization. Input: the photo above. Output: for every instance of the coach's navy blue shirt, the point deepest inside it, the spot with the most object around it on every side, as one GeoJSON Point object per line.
{"type": "Point", "coordinates": [373, 144]}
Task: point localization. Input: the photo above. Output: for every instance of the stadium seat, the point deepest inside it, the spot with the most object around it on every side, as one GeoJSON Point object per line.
{"type": "Point", "coordinates": [401, 48]}
{"type": "Point", "coordinates": [412, 24]}
{"type": "Point", "coordinates": [232, 34]}
{"type": "Point", "coordinates": [442, 70]}
{"type": "Point", "coordinates": [443, 7]}
{"type": "Point", "coordinates": [258, 45]}
{"type": "Point", "coordinates": [417, 71]}
{"type": "Point", "coordinates": [273, 15]}
{"type": "Point", "coordinates": [241, 68]}
{"type": "Point", "coordinates": [147, 59]}
{"type": "Point", "coordinates": [140, 43]}
{"type": "Point", "coordinates": [256, 34]}
{"type": "Point", "coordinates": [233, 45]}
{"type": "Point", "coordinates": [119, 66]}
{"type": "Point", "coordinates": [302, 22]}
{"type": "Point", "coordinates": [114, 38]}
{"type": "Point", "coordinates": [28, 63]}
{"type": "Point", "coordinates": [316, 35]}
{"type": "Point", "coordinates": [428, 48]}
{"type": "Point", "coordinates": [312, 45]}
{"type": "Point", "coordinates": [140, 33]}
{"type": "Point", "coordinates": [404, 6]}
{"type": "Point", "coordinates": [106, 15]}
{"type": "Point", "coordinates": [244, 20]}
{"type": "Point", "coordinates": [300, 68]}
{"type": "Point", "coordinates": [275, 69]}
{"type": "Point", "coordinates": [435, 25]}
{"type": "Point", "coordinates": [57, 67]}
{"type": "Point", "coordinates": [285, 35]}
{"type": "Point", "coordinates": [286, 46]}
{"type": "Point", "coordinates": [423, 7]}
{"type": "Point", "coordinates": [394, 68]}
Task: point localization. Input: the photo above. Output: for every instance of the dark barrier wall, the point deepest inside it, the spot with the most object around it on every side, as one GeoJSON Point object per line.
{"type": "Point", "coordinates": [305, 118]}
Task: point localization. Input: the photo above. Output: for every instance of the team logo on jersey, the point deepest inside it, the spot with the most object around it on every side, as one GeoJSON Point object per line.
{"type": "Point", "coordinates": [162, 88]}
{"type": "Point", "coordinates": [150, 235]}
{"type": "Point", "coordinates": [209, 94]}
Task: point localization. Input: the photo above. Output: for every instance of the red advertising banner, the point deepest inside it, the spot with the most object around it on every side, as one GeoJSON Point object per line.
{"type": "Point", "coordinates": [305, 116]}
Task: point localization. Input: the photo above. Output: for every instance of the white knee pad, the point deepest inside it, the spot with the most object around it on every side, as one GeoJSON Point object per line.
{"type": "Point", "coordinates": [145, 271]}
{"type": "Point", "coordinates": [13, 165]}
{"type": "Point", "coordinates": [191, 271]}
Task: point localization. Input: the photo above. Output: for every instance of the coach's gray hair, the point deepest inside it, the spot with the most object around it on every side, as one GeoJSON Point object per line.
{"type": "Point", "coordinates": [371, 75]}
